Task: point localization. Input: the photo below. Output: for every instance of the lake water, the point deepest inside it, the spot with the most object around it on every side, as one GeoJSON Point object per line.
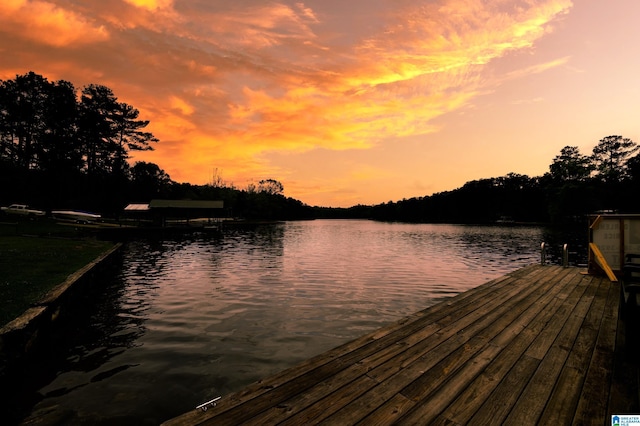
{"type": "Point", "coordinates": [183, 321]}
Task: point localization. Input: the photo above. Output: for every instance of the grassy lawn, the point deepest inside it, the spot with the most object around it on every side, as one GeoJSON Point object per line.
{"type": "Point", "coordinates": [37, 255]}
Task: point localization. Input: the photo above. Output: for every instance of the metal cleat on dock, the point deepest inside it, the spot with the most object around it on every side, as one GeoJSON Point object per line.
{"type": "Point", "coordinates": [205, 406]}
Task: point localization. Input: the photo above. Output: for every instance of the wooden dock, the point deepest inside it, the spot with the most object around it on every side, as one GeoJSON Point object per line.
{"type": "Point", "coordinates": [537, 346]}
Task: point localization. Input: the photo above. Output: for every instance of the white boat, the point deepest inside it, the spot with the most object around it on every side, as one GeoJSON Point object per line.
{"type": "Point", "coordinates": [21, 210]}
{"type": "Point", "coordinates": [75, 216]}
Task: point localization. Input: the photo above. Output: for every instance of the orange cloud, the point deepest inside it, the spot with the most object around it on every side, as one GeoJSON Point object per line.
{"type": "Point", "coordinates": [260, 26]}
{"type": "Point", "coordinates": [393, 85]}
{"type": "Point", "coordinates": [181, 105]}
{"type": "Point", "coordinates": [444, 37]}
{"type": "Point", "coordinates": [227, 84]}
{"type": "Point", "coordinates": [151, 5]}
{"type": "Point", "coordinates": [46, 23]}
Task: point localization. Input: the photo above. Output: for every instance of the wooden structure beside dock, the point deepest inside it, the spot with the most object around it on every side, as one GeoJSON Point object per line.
{"type": "Point", "coordinates": [536, 346]}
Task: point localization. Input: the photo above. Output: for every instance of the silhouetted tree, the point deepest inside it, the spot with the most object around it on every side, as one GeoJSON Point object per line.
{"type": "Point", "coordinates": [270, 186]}
{"type": "Point", "coordinates": [60, 147]}
{"type": "Point", "coordinates": [633, 168]}
{"type": "Point", "coordinates": [109, 130]}
{"type": "Point", "coordinates": [610, 157]}
{"type": "Point", "coordinates": [97, 130]}
{"type": "Point", "coordinates": [631, 189]}
{"type": "Point", "coordinates": [23, 109]}
{"type": "Point", "coordinates": [130, 136]}
{"type": "Point", "coordinates": [148, 180]}
{"type": "Point", "coordinates": [571, 166]}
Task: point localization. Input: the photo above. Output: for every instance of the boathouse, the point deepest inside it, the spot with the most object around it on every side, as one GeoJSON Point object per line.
{"type": "Point", "coordinates": [175, 211]}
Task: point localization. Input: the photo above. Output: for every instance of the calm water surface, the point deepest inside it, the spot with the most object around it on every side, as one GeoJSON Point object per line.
{"type": "Point", "coordinates": [181, 322]}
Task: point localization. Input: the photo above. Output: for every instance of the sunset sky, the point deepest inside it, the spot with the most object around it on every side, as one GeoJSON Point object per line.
{"type": "Point", "coordinates": [346, 102]}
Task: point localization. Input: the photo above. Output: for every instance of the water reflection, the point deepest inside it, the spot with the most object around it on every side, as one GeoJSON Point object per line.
{"type": "Point", "coordinates": [183, 321]}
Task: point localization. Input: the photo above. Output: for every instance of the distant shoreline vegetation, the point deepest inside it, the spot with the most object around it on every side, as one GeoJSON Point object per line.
{"type": "Point", "coordinates": [576, 185]}
{"type": "Point", "coordinates": [61, 151]}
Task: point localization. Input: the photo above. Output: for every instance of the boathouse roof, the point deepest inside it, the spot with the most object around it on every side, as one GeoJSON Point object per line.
{"type": "Point", "coordinates": [137, 207]}
{"type": "Point", "coordinates": [186, 204]}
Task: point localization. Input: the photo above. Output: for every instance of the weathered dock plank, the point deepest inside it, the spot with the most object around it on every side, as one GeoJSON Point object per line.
{"type": "Point", "coordinates": [592, 404]}
{"type": "Point", "coordinates": [536, 345]}
{"type": "Point", "coordinates": [512, 341]}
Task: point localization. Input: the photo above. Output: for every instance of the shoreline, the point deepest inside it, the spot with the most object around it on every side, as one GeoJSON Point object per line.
{"type": "Point", "coordinates": [21, 338]}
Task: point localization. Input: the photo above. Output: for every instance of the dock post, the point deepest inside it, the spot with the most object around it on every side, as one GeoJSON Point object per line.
{"type": "Point", "coordinates": [565, 255]}
{"type": "Point", "coordinates": [543, 254]}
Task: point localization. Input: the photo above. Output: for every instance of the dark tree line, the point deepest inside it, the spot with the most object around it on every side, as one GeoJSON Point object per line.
{"type": "Point", "coordinates": [61, 148]}
{"type": "Point", "coordinates": [264, 201]}
{"type": "Point", "coordinates": [43, 126]}
{"type": "Point", "coordinates": [576, 185]}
